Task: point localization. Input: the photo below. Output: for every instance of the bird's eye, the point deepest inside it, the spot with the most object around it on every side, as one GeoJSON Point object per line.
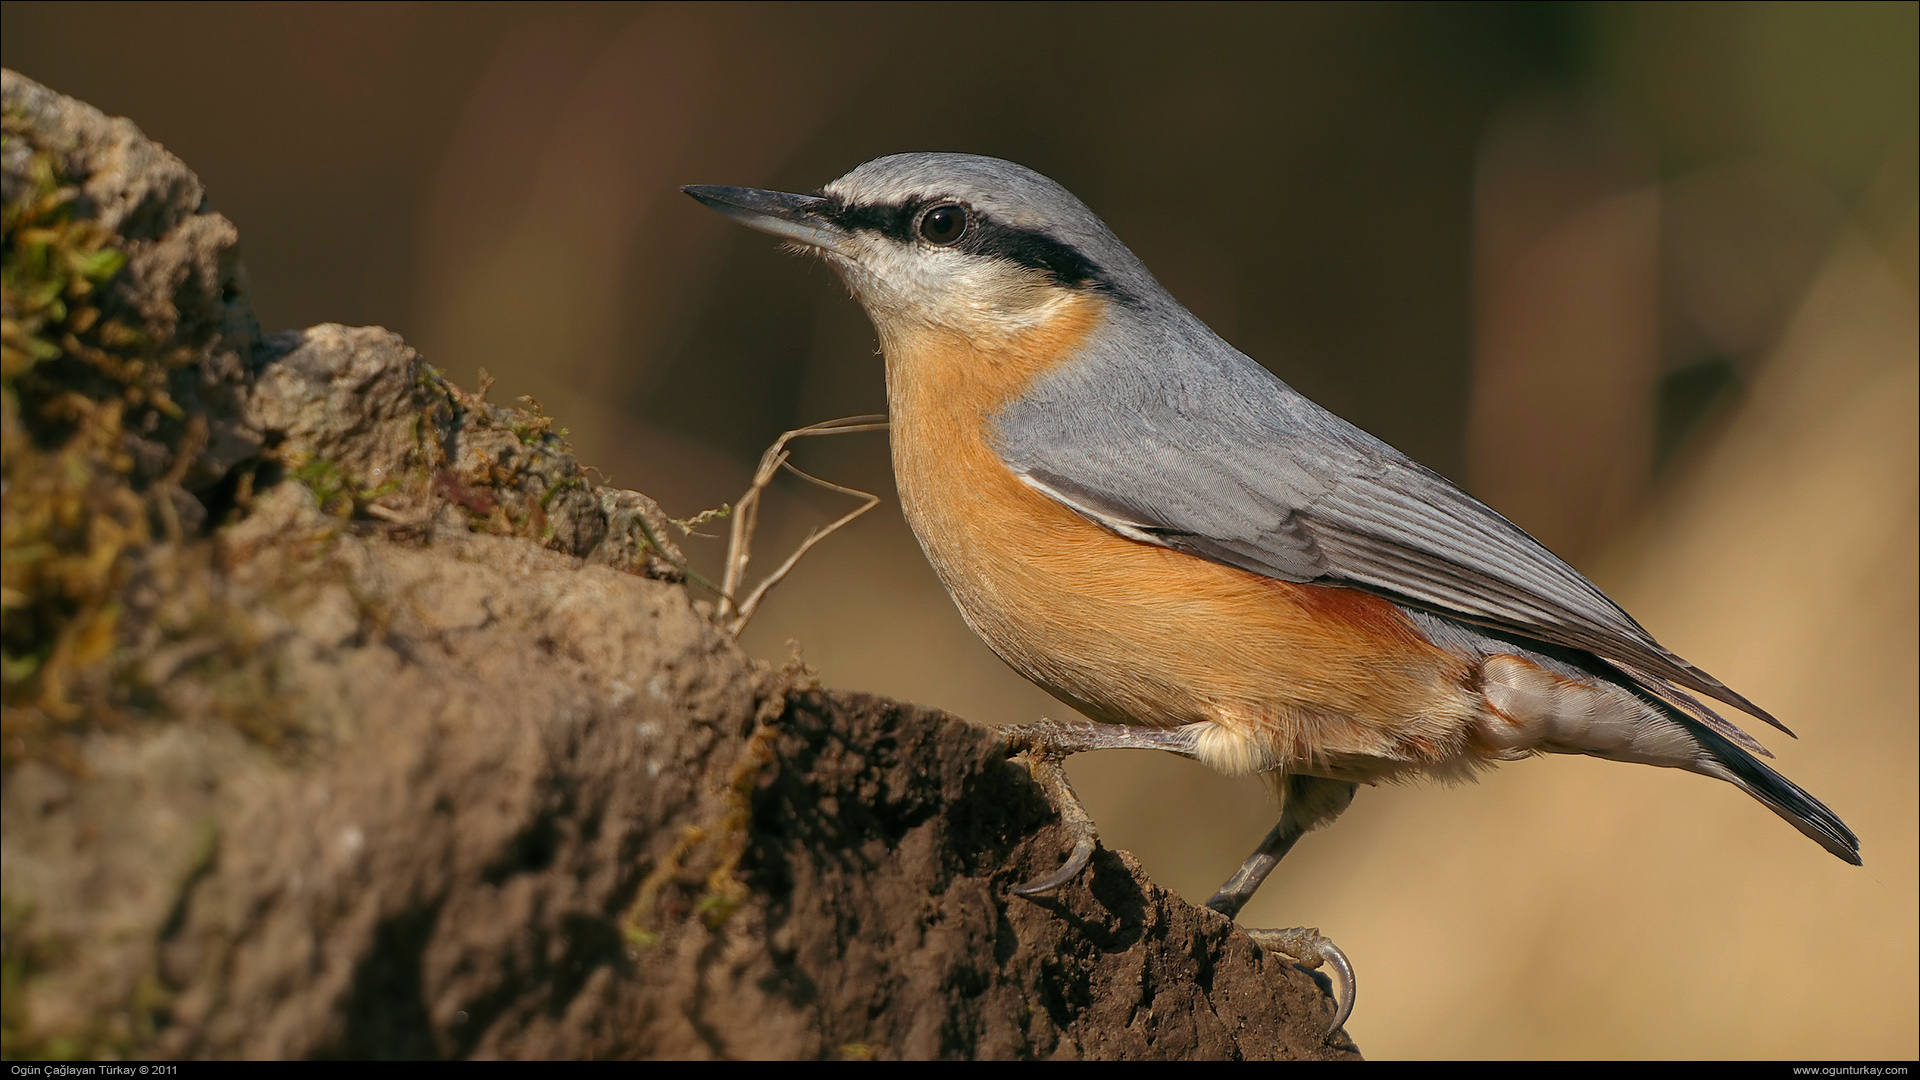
{"type": "Point", "coordinates": [943, 224]}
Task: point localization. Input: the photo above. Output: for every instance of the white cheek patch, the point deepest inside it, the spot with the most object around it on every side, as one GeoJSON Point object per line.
{"type": "Point", "coordinates": [979, 296]}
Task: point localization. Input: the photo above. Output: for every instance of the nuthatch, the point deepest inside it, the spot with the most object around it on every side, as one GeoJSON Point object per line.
{"type": "Point", "coordinates": [1156, 530]}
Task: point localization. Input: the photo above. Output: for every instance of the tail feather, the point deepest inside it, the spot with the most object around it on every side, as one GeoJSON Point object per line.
{"type": "Point", "coordinates": [1689, 705]}
{"type": "Point", "coordinates": [1726, 761]}
{"type": "Point", "coordinates": [1547, 699]}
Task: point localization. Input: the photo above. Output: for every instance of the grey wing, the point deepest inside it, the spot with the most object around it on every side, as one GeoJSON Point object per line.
{"type": "Point", "coordinates": [1268, 482]}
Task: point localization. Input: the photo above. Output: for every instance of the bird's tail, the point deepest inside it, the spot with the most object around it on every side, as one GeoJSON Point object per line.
{"type": "Point", "coordinates": [1626, 719]}
{"type": "Point", "coordinates": [1574, 703]}
{"type": "Point", "coordinates": [1720, 758]}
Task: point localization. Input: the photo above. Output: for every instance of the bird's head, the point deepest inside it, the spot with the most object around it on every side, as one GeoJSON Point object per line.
{"type": "Point", "coordinates": [949, 244]}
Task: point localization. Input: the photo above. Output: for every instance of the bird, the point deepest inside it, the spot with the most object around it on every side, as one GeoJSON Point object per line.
{"type": "Point", "coordinates": [1155, 529]}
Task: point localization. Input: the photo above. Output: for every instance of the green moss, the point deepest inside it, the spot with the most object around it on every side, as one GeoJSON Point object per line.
{"type": "Point", "coordinates": [534, 427]}
{"type": "Point", "coordinates": [724, 840]}
{"type": "Point", "coordinates": [338, 493]}
{"type": "Point", "coordinates": [570, 483]}
{"type": "Point", "coordinates": [70, 378]}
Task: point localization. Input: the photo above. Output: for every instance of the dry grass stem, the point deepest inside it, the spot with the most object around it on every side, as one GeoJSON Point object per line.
{"type": "Point", "coordinates": [734, 614]}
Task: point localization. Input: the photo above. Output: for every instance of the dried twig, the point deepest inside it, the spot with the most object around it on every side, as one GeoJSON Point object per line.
{"type": "Point", "coordinates": [734, 614]}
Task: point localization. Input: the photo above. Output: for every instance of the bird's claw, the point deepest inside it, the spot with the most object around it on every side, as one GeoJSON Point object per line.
{"type": "Point", "coordinates": [1052, 778]}
{"type": "Point", "coordinates": [1076, 862]}
{"type": "Point", "coordinates": [1306, 946]}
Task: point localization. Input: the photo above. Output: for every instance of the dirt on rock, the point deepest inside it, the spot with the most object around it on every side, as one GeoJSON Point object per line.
{"type": "Point", "coordinates": [346, 716]}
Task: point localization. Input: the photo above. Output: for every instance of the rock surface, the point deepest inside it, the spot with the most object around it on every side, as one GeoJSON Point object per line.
{"type": "Point", "coordinates": [412, 742]}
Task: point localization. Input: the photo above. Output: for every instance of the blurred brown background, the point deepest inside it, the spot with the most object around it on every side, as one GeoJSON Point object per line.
{"type": "Point", "coordinates": [1643, 277]}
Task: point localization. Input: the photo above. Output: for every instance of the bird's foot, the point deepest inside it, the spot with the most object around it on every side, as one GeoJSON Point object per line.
{"type": "Point", "coordinates": [1046, 743]}
{"type": "Point", "coordinates": [1306, 947]}
{"type": "Point", "coordinates": [1052, 776]}
{"type": "Point", "coordinates": [1039, 746]}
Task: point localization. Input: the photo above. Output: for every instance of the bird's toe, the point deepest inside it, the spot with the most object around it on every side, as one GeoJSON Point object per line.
{"type": "Point", "coordinates": [1051, 775]}
{"type": "Point", "coordinates": [1309, 948]}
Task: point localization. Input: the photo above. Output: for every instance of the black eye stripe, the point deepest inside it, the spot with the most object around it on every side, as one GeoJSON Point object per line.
{"type": "Point", "coordinates": [1037, 251]}
{"type": "Point", "coordinates": [1030, 248]}
{"type": "Point", "coordinates": [890, 221]}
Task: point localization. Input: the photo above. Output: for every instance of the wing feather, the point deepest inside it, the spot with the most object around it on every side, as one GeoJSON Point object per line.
{"type": "Point", "coordinates": [1268, 482]}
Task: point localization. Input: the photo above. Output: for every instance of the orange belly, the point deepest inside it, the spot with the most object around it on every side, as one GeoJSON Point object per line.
{"type": "Point", "coordinates": [1302, 678]}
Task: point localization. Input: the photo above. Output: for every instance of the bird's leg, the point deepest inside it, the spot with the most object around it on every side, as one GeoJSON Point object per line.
{"type": "Point", "coordinates": [1310, 801]}
{"type": "Point", "coordinates": [1045, 746]}
{"type": "Point", "coordinates": [1239, 888]}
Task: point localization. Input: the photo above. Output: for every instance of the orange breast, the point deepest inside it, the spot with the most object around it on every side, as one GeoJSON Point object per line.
{"type": "Point", "coordinates": [1310, 678]}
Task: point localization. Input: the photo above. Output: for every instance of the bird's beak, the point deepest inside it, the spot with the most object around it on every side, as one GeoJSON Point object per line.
{"type": "Point", "coordinates": [797, 218]}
